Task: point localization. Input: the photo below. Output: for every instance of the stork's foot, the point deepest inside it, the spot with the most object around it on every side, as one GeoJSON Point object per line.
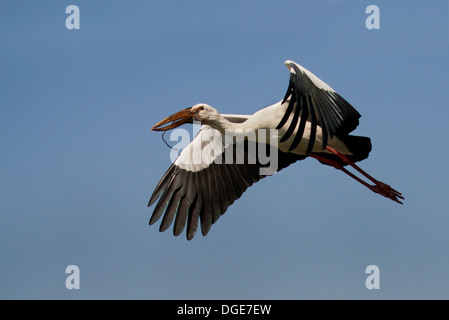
{"type": "Point", "coordinates": [387, 191]}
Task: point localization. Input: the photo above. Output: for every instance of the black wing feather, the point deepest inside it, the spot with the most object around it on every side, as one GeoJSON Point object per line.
{"type": "Point", "coordinates": [184, 207]}
{"type": "Point", "coordinates": [294, 122]}
{"type": "Point", "coordinates": [313, 123]}
{"type": "Point", "coordinates": [320, 119]}
{"type": "Point", "coordinates": [302, 124]}
{"type": "Point", "coordinates": [194, 216]}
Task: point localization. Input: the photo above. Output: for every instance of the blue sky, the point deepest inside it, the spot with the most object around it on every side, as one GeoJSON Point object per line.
{"type": "Point", "coordinates": [79, 163]}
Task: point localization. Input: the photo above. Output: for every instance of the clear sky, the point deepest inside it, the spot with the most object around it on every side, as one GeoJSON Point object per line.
{"type": "Point", "coordinates": [78, 160]}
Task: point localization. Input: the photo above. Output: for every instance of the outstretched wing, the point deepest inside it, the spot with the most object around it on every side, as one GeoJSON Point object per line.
{"type": "Point", "coordinates": [313, 100]}
{"type": "Point", "coordinates": [207, 177]}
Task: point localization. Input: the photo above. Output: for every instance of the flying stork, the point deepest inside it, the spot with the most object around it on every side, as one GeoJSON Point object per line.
{"type": "Point", "coordinates": [312, 120]}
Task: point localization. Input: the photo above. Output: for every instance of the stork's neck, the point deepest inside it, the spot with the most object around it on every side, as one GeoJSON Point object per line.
{"type": "Point", "coordinates": [221, 124]}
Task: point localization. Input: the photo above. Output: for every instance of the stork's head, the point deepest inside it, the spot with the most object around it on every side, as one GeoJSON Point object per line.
{"type": "Point", "coordinates": [199, 112]}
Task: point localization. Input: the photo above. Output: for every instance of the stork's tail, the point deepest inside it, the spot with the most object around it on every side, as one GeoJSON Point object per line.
{"type": "Point", "coordinates": [360, 147]}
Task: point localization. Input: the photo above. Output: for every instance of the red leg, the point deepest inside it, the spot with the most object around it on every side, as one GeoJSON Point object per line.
{"type": "Point", "coordinates": [378, 183]}
{"type": "Point", "coordinates": [379, 187]}
{"type": "Point", "coordinates": [352, 164]}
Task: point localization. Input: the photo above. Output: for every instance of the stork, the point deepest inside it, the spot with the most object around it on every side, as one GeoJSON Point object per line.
{"type": "Point", "coordinates": [312, 120]}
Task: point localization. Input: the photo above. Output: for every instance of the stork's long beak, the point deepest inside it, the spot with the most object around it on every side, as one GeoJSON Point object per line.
{"type": "Point", "coordinates": [177, 119]}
